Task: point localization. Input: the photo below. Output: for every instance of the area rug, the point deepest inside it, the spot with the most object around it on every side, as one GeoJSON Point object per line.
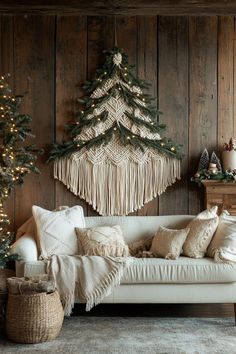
{"type": "Point", "coordinates": [147, 335]}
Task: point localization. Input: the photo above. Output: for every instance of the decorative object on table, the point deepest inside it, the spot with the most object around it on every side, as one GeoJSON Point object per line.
{"type": "Point", "coordinates": [204, 161]}
{"type": "Point", "coordinates": [35, 317]}
{"type": "Point", "coordinates": [213, 168]}
{"type": "Point", "coordinates": [16, 159]}
{"type": "Point", "coordinates": [115, 158]}
{"type": "Point", "coordinates": [229, 155]}
{"type": "Point", "coordinates": [210, 169]}
{"type": "Point", "coordinates": [215, 160]}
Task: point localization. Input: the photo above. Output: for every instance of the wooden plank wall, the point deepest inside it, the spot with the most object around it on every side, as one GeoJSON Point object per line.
{"type": "Point", "coordinates": [188, 60]}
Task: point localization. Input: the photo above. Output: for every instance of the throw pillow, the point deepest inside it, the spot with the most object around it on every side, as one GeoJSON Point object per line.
{"type": "Point", "coordinates": [202, 229]}
{"type": "Point", "coordinates": [56, 230]}
{"type": "Point", "coordinates": [137, 248]}
{"type": "Point", "coordinates": [223, 244]}
{"type": "Point", "coordinates": [102, 241]}
{"type": "Point", "coordinates": [168, 243]}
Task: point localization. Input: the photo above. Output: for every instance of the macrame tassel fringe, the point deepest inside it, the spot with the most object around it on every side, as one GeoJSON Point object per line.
{"type": "Point", "coordinates": [117, 189]}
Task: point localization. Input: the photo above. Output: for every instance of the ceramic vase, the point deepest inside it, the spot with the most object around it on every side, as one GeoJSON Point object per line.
{"type": "Point", "coordinates": [229, 160]}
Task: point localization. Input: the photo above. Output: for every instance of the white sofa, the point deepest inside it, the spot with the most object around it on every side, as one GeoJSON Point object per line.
{"type": "Point", "coordinates": [151, 280]}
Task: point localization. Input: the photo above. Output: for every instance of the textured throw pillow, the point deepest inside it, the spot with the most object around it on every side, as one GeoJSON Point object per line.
{"type": "Point", "coordinates": [202, 229]}
{"type": "Point", "coordinates": [168, 243]}
{"type": "Point", "coordinates": [137, 248]}
{"type": "Point", "coordinates": [102, 241]}
{"type": "Point", "coordinates": [56, 230]}
{"type": "Point", "coordinates": [223, 244]}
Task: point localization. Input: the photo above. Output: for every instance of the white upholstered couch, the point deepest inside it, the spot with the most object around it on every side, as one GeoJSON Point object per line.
{"type": "Point", "coordinates": [151, 280]}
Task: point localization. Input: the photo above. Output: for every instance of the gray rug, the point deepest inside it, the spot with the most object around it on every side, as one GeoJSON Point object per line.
{"type": "Point", "coordinates": [97, 335]}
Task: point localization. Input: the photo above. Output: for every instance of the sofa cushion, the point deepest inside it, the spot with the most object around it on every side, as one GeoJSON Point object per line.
{"type": "Point", "coordinates": [158, 270]}
{"type": "Point", "coordinates": [168, 243]}
{"type": "Point", "coordinates": [182, 270]}
{"type": "Point", "coordinates": [136, 227]}
{"type": "Point", "coordinates": [102, 241]}
{"type": "Point", "coordinates": [202, 229]}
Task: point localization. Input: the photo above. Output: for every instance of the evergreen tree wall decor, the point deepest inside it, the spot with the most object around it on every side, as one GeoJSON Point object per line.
{"type": "Point", "coordinates": [115, 158]}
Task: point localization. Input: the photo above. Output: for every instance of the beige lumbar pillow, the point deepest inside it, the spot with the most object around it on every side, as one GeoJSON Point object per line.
{"type": "Point", "coordinates": [223, 244]}
{"type": "Point", "coordinates": [56, 230]}
{"type": "Point", "coordinates": [168, 243]}
{"type": "Point", "coordinates": [202, 229]}
{"type": "Point", "coordinates": [102, 241]}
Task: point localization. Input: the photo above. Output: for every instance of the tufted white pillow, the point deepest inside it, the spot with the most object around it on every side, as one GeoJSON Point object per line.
{"type": "Point", "coordinates": [56, 230]}
{"type": "Point", "coordinates": [223, 244]}
{"type": "Point", "coordinates": [102, 241]}
{"type": "Point", "coordinates": [202, 229]}
{"type": "Point", "coordinates": [168, 243]}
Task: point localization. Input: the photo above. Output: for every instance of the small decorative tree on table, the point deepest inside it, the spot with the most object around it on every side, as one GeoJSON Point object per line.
{"type": "Point", "coordinates": [16, 160]}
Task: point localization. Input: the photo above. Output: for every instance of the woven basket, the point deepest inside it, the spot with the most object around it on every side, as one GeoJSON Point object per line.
{"type": "Point", "coordinates": [34, 318]}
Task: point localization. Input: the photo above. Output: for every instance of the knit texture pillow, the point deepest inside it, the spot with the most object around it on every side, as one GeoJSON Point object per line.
{"type": "Point", "coordinates": [223, 244]}
{"type": "Point", "coordinates": [56, 230]}
{"type": "Point", "coordinates": [168, 243]}
{"type": "Point", "coordinates": [202, 229]}
{"type": "Point", "coordinates": [102, 241]}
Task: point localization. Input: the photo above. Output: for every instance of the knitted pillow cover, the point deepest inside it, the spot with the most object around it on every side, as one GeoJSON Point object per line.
{"type": "Point", "coordinates": [223, 244]}
{"type": "Point", "coordinates": [102, 241]}
{"type": "Point", "coordinates": [168, 243]}
{"type": "Point", "coordinates": [56, 230]}
{"type": "Point", "coordinates": [202, 229]}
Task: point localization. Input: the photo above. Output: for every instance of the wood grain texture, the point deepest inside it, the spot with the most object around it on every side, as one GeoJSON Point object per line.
{"type": "Point", "coordinates": [147, 70]}
{"type": "Point", "coordinates": [7, 67]}
{"type": "Point", "coordinates": [51, 56]}
{"type": "Point", "coordinates": [203, 96]}
{"type": "Point", "coordinates": [121, 7]}
{"type": "Point", "coordinates": [71, 69]}
{"type": "Point", "coordinates": [34, 74]}
{"type": "Point", "coordinates": [173, 102]}
{"type": "Point", "coordinates": [225, 80]}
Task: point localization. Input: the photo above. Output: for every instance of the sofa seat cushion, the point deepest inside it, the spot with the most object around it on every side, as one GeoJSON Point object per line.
{"type": "Point", "coordinates": [182, 270]}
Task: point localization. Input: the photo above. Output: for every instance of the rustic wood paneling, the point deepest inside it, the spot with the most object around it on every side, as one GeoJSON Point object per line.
{"type": "Point", "coordinates": [225, 79]}
{"type": "Point", "coordinates": [7, 66]}
{"type": "Point", "coordinates": [147, 69]}
{"type": "Point", "coordinates": [71, 69]}
{"type": "Point", "coordinates": [34, 73]}
{"type": "Point", "coordinates": [182, 57]}
{"type": "Point", "coordinates": [173, 78]}
{"type": "Point", "coordinates": [120, 7]}
{"type": "Point", "coordinates": [202, 95]}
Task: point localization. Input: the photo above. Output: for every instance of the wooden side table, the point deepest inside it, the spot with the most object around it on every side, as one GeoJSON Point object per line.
{"type": "Point", "coordinates": [3, 303]}
{"type": "Point", "coordinates": [222, 194]}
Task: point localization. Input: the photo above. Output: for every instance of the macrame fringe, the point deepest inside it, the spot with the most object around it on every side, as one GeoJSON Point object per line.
{"type": "Point", "coordinates": [104, 289]}
{"type": "Point", "coordinates": [117, 189]}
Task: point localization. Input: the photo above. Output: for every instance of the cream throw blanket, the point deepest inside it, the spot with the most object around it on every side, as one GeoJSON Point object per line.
{"type": "Point", "coordinates": [86, 278]}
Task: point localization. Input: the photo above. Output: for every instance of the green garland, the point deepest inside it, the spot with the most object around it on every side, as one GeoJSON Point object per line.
{"type": "Point", "coordinates": [135, 100]}
{"type": "Point", "coordinates": [224, 176]}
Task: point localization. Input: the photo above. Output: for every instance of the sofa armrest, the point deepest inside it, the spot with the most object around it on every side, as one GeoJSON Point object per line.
{"type": "Point", "coordinates": [26, 248]}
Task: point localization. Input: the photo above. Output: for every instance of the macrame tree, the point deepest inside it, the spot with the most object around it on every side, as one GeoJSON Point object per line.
{"type": "Point", "coordinates": [16, 160]}
{"type": "Point", "coordinates": [115, 158]}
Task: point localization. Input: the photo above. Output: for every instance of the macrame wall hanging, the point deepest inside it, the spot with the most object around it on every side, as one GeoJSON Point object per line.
{"type": "Point", "coordinates": [115, 158]}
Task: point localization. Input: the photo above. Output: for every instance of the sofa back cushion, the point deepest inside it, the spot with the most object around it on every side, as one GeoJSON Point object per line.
{"type": "Point", "coordinates": [137, 227]}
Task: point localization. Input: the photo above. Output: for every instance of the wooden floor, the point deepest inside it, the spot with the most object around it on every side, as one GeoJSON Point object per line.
{"type": "Point", "coordinates": [158, 310]}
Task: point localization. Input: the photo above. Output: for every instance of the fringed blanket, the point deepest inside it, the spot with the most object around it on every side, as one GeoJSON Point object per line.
{"type": "Point", "coordinates": [86, 278]}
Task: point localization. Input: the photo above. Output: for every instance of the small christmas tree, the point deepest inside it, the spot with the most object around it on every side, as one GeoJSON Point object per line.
{"type": "Point", "coordinates": [115, 157]}
{"type": "Point", "coordinates": [16, 161]}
